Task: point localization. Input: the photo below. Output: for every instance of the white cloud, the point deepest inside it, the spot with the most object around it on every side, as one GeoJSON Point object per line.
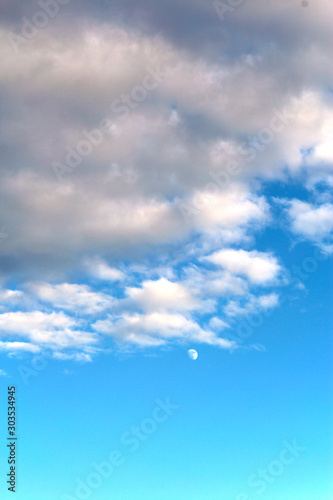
{"type": "Point", "coordinates": [3, 373]}
{"type": "Point", "coordinates": [252, 305]}
{"type": "Point", "coordinates": [227, 208]}
{"type": "Point", "coordinates": [10, 299]}
{"type": "Point", "coordinates": [260, 268]}
{"type": "Point", "coordinates": [162, 294]}
{"type": "Point", "coordinates": [214, 283]}
{"type": "Point", "coordinates": [72, 297]}
{"type": "Point", "coordinates": [55, 330]}
{"type": "Point", "coordinates": [268, 301]}
{"type": "Point", "coordinates": [312, 222]}
{"type": "Point", "coordinates": [218, 324]}
{"type": "Point", "coordinates": [14, 347]}
{"type": "Point", "coordinates": [157, 328]}
{"type": "Point", "coordinates": [10, 295]}
{"type": "Point", "coordinates": [78, 356]}
{"type": "Point", "coordinates": [101, 270]}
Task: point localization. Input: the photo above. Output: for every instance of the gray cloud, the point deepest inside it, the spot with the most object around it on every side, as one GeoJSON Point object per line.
{"type": "Point", "coordinates": [144, 131]}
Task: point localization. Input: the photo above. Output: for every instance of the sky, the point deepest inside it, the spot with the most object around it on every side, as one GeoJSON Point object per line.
{"type": "Point", "coordinates": [166, 185]}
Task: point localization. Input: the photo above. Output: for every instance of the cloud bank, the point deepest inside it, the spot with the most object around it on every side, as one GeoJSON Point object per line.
{"type": "Point", "coordinates": [136, 160]}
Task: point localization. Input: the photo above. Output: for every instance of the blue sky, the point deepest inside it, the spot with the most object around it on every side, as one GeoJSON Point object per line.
{"type": "Point", "coordinates": [166, 184]}
{"type": "Point", "coordinates": [235, 411]}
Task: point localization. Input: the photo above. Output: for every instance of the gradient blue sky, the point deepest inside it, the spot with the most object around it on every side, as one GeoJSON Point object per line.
{"type": "Point", "coordinates": [166, 184]}
{"type": "Point", "coordinates": [235, 411]}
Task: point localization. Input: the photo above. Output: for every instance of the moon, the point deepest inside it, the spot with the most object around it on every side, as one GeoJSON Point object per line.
{"type": "Point", "coordinates": [192, 354]}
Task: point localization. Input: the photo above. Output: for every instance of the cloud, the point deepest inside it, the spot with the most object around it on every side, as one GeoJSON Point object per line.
{"type": "Point", "coordinates": [268, 301]}
{"type": "Point", "coordinates": [54, 330]}
{"type": "Point", "coordinates": [156, 328]}
{"type": "Point", "coordinates": [175, 162]}
{"type": "Point", "coordinates": [224, 208]}
{"type": "Point", "coordinates": [10, 295]}
{"type": "Point", "coordinates": [251, 305]}
{"type": "Point", "coordinates": [10, 298]}
{"type": "Point", "coordinates": [217, 324]}
{"type": "Point", "coordinates": [312, 222]}
{"type": "Point", "coordinates": [78, 356]}
{"type": "Point", "coordinates": [102, 271]}
{"type": "Point", "coordinates": [214, 283]}
{"type": "Point", "coordinates": [260, 268]}
{"type": "Point", "coordinates": [16, 347]}
{"type": "Point", "coordinates": [3, 373]}
{"type": "Point", "coordinates": [162, 295]}
{"type": "Point", "coordinates": [72, 297]}
{"type": "Point", "coordinates": [167, 144]}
